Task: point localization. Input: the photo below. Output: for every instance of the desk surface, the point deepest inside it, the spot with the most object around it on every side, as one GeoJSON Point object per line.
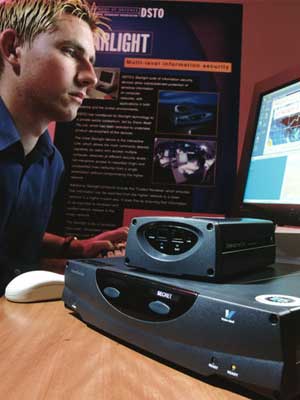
{"type": "Point", "coordinates": [47, 353]}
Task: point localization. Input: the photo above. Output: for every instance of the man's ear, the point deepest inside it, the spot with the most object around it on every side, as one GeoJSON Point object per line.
{"type": "Point", "coordinates": [10, 47]}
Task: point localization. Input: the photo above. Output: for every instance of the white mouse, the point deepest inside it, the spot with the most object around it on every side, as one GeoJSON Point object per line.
{"type": "Point", "coordinates": [35, 286]}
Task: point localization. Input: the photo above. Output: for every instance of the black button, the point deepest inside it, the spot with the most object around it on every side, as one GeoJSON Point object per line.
{"type": "Point", "coordinates": [159, 307]}
{"type": "Point", "coordinates": [111, 292]}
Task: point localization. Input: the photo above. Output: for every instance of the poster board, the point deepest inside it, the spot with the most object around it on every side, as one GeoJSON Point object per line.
{"type": "Point", "coordinates": [158, 133]}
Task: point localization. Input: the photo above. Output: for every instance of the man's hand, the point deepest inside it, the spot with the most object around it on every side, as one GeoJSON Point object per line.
{"type": "Point", "coordinates": [114, 236]}
{"type": "Point", "coordinates": [91, 248]}
{"type": "Point", "coordinates": [110, 243]}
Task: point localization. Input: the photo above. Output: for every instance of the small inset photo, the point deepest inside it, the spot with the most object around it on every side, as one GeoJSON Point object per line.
{"type": "Point", "coordinates": [107, 86]}
{"type": "Point", "coordinates": [188, 162]}
{"type": "Point", "coordinates": [187, 112]}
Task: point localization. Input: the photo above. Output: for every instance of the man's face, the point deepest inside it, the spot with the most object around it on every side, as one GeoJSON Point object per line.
{"type": "Point", "coordinates": [57, 69]}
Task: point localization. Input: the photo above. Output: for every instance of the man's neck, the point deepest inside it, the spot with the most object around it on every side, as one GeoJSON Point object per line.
{"type": "Point", "coordinates": [28, 126]}
{"type": "Point", "coordinates": [28, 143]}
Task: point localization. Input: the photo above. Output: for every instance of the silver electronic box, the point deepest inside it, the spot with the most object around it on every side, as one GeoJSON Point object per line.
{"type": "Point", "coordinates": [211, 248]}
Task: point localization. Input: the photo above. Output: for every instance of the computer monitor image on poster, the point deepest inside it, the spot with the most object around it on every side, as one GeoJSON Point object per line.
{"type": "Point", "coordinates": [107, 86]}
{"type": "Point", "coordinates": [269, 174]}
{"type": "Point", "coordinates": [106, 80]}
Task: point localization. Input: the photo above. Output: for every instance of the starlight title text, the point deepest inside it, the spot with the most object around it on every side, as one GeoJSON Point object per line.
{"type": "Point", "coordinates": [127, 42]}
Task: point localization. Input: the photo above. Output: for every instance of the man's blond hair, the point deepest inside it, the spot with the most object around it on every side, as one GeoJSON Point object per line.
{"type": "Point", "coordinates": [32, 17]}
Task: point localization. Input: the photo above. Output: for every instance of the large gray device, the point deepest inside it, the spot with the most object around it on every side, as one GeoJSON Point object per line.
{"type": "Point", "coordinates": [246, 331]}
{"type": "Point", "coordinates": [210, 248]}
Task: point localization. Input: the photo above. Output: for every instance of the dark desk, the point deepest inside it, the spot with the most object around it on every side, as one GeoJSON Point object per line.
{"type": "Point", "coordinates": [47, 353]}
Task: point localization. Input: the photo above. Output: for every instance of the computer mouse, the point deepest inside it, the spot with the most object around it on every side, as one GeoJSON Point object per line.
{"type": "Point", "coordinates": [35, 286]}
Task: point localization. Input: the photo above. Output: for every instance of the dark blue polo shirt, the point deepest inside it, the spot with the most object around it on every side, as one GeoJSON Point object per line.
{"type": "Point", "coordinates": [27, 188]}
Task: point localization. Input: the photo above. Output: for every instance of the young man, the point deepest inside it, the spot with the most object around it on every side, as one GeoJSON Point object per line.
{"type": "Point", "coordinates": [47, 51]}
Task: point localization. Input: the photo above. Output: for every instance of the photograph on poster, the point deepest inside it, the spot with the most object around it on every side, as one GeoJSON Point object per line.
{"type": "Point", "coordinates": [108, 83]}
{"type": "Point", "coordinates": [187, 112]}
{"type": "Point", "coordinates": [184, 162]}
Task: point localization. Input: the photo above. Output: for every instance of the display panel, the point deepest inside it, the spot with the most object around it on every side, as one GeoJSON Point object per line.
{"type": "Point", "coordinates": [269, 183]}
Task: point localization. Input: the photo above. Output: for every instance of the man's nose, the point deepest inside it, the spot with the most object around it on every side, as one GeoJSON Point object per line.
{"type": "Point", "coordinates": [87, 75]}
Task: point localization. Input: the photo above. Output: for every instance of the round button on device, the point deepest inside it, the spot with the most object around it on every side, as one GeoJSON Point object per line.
{"type": "Point", "coordinates": [111, 292]}
{"type": "Point", "coordinates": [159, 307]}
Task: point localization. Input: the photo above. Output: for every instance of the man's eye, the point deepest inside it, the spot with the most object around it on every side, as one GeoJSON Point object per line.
{"type": "Point", "coordinates": [70, 51]}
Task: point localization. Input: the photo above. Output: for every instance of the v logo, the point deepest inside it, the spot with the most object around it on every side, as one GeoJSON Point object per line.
{"type": "Point", "coordinates": [229, 314]}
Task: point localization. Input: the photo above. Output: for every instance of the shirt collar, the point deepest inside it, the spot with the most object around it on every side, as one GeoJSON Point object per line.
{"type": "Point", "coordinates": [9, 134]}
